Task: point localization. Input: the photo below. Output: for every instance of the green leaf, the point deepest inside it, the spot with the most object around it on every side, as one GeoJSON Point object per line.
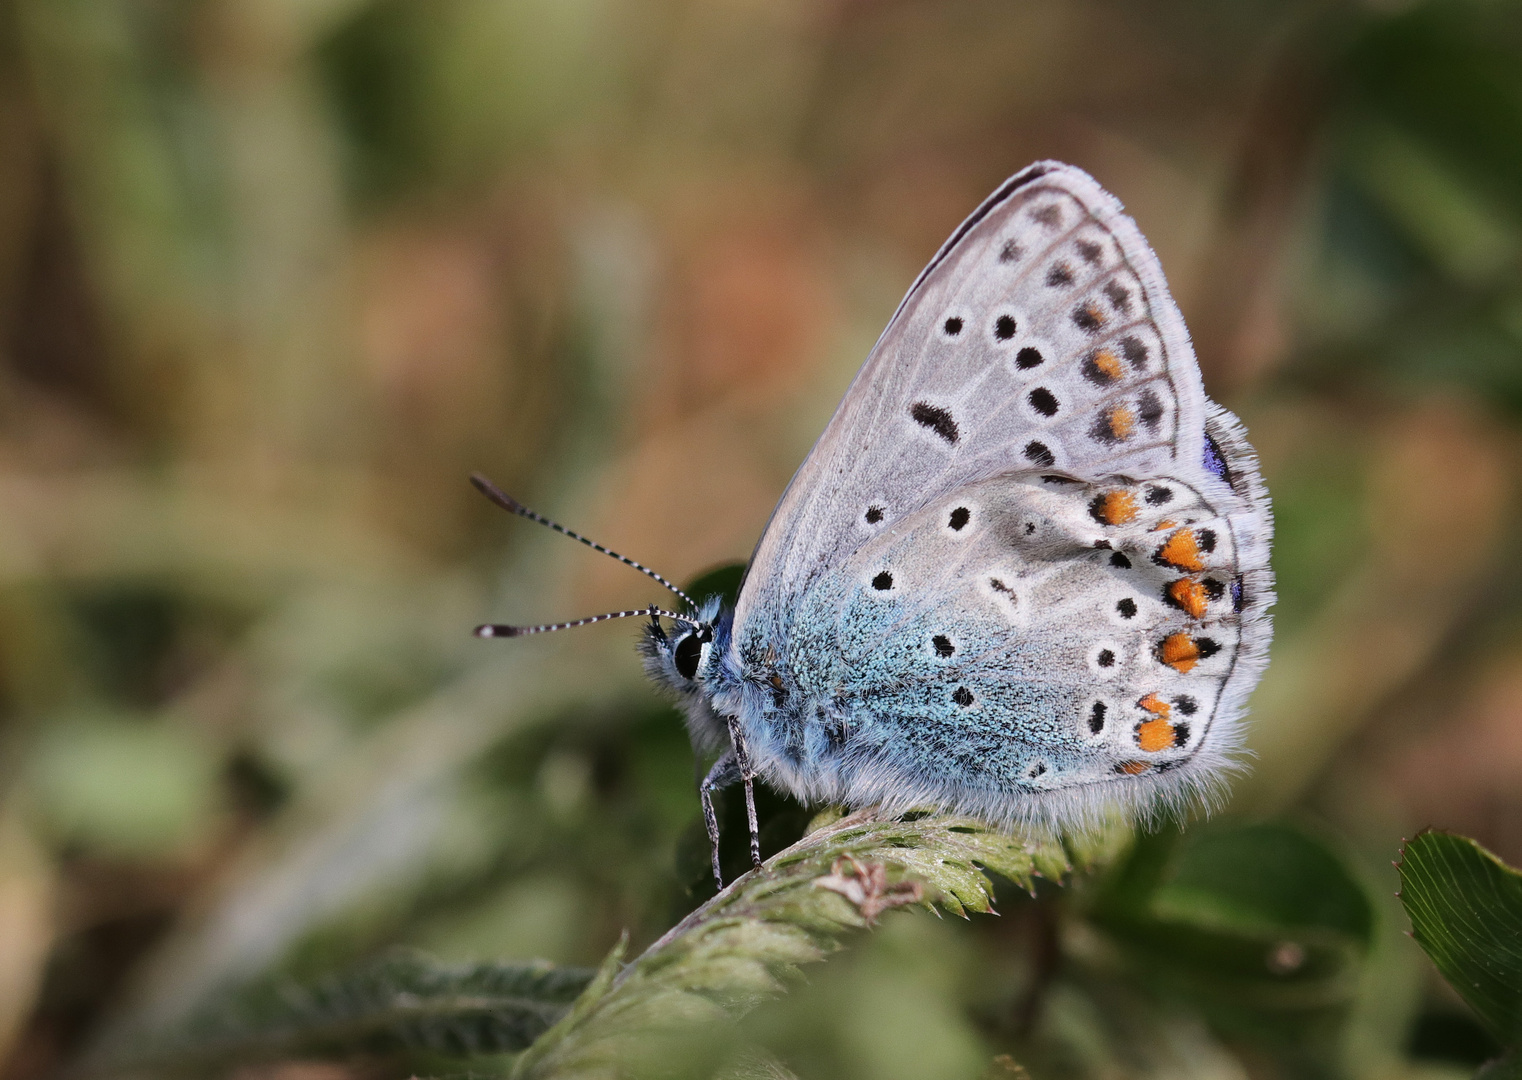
{"type": "Point", "coordinates": [747, 943]}
{"type": "Point", "coordinates": [401, 1002]}
{"type": "Point", "coordinates": [723, 581]}
{"type": "Point", "coordinates": [1505, 1067]}
{"type": "Point", "coordinates": [1465, 907]}
{"type": "Point", "coordinates": [1261, 927]}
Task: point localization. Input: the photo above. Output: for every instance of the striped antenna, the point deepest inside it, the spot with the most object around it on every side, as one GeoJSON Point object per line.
{"type": "Point", "coordinates": [503, 630]}
{"type": "Point", "coordinates": [512, 505]}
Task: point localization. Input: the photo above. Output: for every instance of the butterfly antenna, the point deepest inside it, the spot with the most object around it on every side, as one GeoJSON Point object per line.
{"type": "Point", "coordinates": [512, 505]}
{"type": "Point", "coordinates": [494, 630]}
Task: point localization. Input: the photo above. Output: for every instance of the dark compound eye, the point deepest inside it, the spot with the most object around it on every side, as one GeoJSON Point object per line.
{"type": "Point", "coordinates": [883, 581]}
{"type": "Point", "coordinates": [952, 326]}
{"type": "Point", "coordinates": [686, 655]}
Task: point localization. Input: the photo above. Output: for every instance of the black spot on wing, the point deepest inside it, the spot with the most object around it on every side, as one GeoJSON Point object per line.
{"type": "Point", "coordinates": [1127, 608]}
{"type": "Point", "coordinates": [1119, 561]}
{"type": "Point", "coordinates": [1157, 496]}
{"type": "Point", "coordinates": [962, 696]}
{"type": "Point", "coordinates": [1089, 251]}
{"type": "Point", "coordinates": [1049, 215]}
{"type": "Point", "coordinates": [1028, 358]}
{"type": "Point", "coordinates": [1004, 327]}
{"type": "Point", "coordinates": [1150, 408]}
{"type": "Point", "coordinates": [1097, 717]}
{"type": "Point", "coordinates": [1119, 295]}
{"type": "Point", "coordinates": [1135, 352]}
{"type": "Point", "coordinates": [952, 326]}
{"type": "Point", "coordinates": [1043, 401]}
{"type": "Point", "coordinates": [1059, 275]}
{"type": "Point", "coordinates": [1009, 252]}
{"type": "Point", "coordinates": [883, 581]}
{"type": "Point", "coordinates": [943, 646]}
{"type": "Point", "coordinates": [959, 518]}
{"type": "Point", "coordinates": [936, 419]}
{"type": "Point", "coordinates": [1088, 318]}
{"type": "Point", "coordinates": [874, 514]}
{"type": "Point", "coordinates": [1039, 454]}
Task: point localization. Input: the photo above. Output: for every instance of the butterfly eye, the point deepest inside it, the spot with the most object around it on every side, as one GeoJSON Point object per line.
{"type": "Point", "coordinates": [686, 655]}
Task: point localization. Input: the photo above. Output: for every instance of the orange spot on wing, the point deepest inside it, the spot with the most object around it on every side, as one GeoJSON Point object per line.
{"type": "Point", "coordinates": [1189, 595]}
{"type": "Point", "coordinates": [1155, 735]}
{"type": "Point", "coordinates": [1182, 550]}
{"type": "Point", "coordinates": [1166, 523]}
{"type": "Point", "coordinates": [1108, 364]}
{"type": "Point", "coordinates": [1133, 768]}
{"type": "Point", "coordinates": [1179, 652]}
{"type": "Point", "coordinates": [1122, 422]}
{"type": "Point", "coordinates": [1155, 705]}
{"type": "Point", "coordinates": [1117, 508]}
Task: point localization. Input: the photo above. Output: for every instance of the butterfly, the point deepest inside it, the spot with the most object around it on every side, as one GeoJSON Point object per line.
{"type": "Point", "coordinates": [1024, 573]}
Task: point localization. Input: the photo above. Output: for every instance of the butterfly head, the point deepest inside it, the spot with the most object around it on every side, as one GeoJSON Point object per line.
{"type": "Point", "coordinates": [687, 659]}
{"type": "Point", "coordinates": [677, 658]}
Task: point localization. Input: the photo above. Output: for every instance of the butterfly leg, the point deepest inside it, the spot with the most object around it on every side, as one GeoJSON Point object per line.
{"type": "Point", "coordinates": [725, 772]}
{"type": "Point", "coordinates": [748, 776]}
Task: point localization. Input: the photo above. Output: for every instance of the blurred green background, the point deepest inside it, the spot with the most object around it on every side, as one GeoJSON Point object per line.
{"type": "Point", "coordinates": [275, 275]}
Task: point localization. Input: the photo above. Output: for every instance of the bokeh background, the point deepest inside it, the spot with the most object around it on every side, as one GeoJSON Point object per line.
{"type": "Point", "coordinates": [275, 275]}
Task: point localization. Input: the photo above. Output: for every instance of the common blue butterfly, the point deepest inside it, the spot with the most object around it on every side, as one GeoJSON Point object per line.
{"type": "Point", "coordinates": [1023, 574]}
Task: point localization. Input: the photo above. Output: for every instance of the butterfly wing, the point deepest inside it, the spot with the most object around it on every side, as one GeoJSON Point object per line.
{"type": "Point", "coordinates": [1040, 341]}
{"type": "Point", "coordinates": [1041, 335]}
{"type": "Point", "coordinates": [1029, 647]}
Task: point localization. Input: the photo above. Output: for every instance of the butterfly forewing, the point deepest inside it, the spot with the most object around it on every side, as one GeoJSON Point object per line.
{"type": "Point", "coordinates": [1042, 336]}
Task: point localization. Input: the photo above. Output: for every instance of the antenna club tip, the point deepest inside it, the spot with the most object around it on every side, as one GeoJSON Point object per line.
{"type": "Point", "coordinates": [494, 630]}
